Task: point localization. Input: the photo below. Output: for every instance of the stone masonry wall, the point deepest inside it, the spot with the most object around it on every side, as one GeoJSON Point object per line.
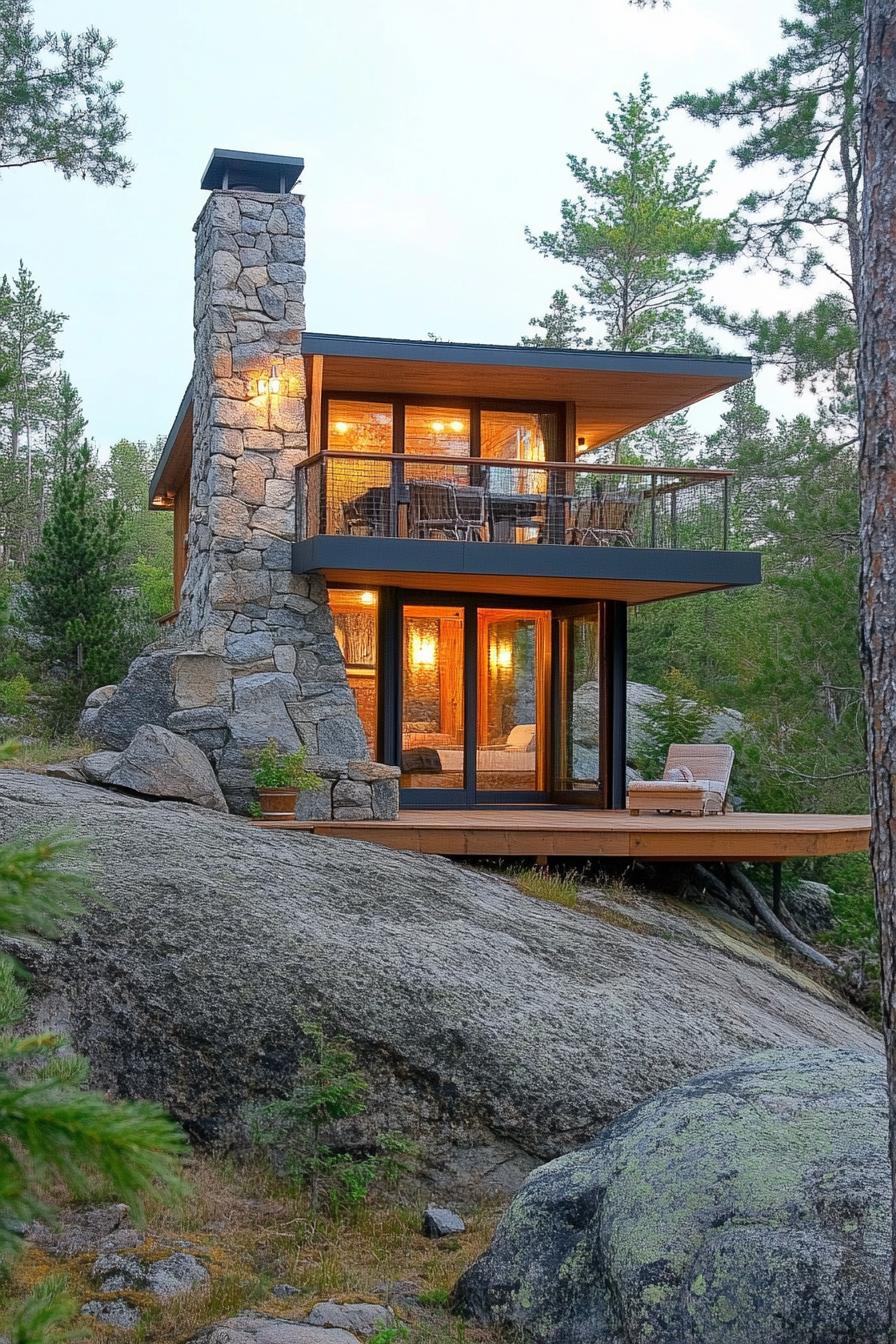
{"type": "Point", "coordinates": [253, 655]}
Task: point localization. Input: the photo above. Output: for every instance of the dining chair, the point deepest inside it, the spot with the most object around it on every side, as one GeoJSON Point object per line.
{"type": "Point", "coordinates": [601, 522]}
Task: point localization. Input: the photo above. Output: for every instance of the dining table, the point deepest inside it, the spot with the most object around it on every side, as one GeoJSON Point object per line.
{"type": "Point", "coordinates": [385, 509]}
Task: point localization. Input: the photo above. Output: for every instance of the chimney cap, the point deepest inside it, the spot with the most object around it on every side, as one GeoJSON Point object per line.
{"type": "Point", "coordinates": [234, 169]}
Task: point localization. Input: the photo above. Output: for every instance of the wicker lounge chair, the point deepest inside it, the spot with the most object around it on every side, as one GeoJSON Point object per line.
{"type": "Point", "coordinates": [694, 782]}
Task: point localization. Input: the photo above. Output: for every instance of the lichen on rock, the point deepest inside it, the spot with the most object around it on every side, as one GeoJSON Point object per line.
{"type": "Point", "coordinates": [750, 1205]}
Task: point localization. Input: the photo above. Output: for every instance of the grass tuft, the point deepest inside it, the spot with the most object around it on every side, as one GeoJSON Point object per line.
{"type": "Point", "coordinates": [547, 886]}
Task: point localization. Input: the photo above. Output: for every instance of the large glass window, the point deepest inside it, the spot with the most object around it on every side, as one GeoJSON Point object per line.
{"type": "Point", "coordinates": [579, 765]}
{"type": "Point", "coordinates": [359, 502]}
{"type": "Point", "coordinates": [432, 697]}
{"type": "Point", "coordinates": [520, 436]}
{"type": "Point", "coordinates": [355, 620]}
{"type": "Point", "coordinates": [437, 431]}
{"type": "Point", "coordinates": [511, 700]}
{"type": "Point", "coordinates": [359, 426]}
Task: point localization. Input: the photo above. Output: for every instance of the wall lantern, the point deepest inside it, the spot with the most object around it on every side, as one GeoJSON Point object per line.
{"type": "Point", "coordinates": [422, 651]}
{"type": "Point", "coordinates": [270, 383]}
{"type": "Point", "coordinates": [500, 655]}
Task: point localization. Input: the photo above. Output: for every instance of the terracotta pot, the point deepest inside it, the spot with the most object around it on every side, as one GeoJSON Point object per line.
{"type": "Point", "coordinates": [278, 804]}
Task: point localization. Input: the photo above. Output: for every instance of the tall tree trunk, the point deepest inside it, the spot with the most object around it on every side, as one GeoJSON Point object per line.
{"type": "Point", "coordinates": [877, 417]}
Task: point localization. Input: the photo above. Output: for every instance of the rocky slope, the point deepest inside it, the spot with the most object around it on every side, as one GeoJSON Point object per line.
{"type": "Point", "coordinates": [498, 1029]}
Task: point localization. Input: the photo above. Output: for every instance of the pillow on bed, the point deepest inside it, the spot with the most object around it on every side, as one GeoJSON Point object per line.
{"type": "Point", "coordinates": [680, 774]}
{"type": "Point", "coordinates": [521, 738]}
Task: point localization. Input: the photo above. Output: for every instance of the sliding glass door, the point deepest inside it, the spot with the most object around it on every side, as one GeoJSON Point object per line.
{"type": "Point", "coordinates": [580, 707]}
{"type": "Point", "coordinates": [473, 701]}
{"type": "Point", "coordinates": [512, 655]}
{"type": "Point", "coordinates": [432, 701]}
{"type": "Point", "coordinates": [493, 701]}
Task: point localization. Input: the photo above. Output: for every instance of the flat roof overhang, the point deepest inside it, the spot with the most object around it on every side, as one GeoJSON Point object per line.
{"type": "Point", "coordinates": [616, 573]}
{"type": "Point", "coordinates": [613, 393]}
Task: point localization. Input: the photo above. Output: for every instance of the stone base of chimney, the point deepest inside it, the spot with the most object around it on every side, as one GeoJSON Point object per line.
{"type": "Point", "coordinates": [288, 687]}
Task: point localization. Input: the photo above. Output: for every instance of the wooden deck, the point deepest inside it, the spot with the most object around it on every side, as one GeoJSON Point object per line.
{"type": "Point", "coordinates": [567, 832]}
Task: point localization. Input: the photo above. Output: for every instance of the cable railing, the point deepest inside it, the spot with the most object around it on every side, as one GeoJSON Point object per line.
{"type": "Point", "coordinates": [476, 499]}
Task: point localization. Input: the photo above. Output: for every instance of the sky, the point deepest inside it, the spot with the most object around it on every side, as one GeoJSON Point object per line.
{"type": "Point", "coordinates": [432, 136]}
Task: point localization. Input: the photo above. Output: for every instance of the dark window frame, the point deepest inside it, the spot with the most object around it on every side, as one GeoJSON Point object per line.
{"type": "Point", "coordinates": [612, 618]}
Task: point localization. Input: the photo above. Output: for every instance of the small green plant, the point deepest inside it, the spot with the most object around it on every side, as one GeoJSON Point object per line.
{"type": "Point", "coordinates": [275, 769]}
{"type": "Point", "coordinates": [254, 809]}
{"type": "Point", "coordinates": [295, 1131]}
{"type": "Point", "coordinates": [435, 1297]}
{"type": "Point", "coordinates": [389, 1334]}
{"type": "Point", "coordinates": [547, 886]}
{"type": "Point", "coordinates": [682, 715]}
{"type": "Point", "coordinates": [14, 692]}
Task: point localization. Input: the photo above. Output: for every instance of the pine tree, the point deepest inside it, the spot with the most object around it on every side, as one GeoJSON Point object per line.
{"type": "Point", "coordinates": [29, 405]}
{"type": "Point", "coordinates": [72, 600]}
{"type": "Point", "coordinates": [637, 235]}
{"type": "Point", "coordinates": [561, 327]}
{"type": "Point", "coordinates": [55, 105]}
{"type": "Point", "coordinates": [801, 115]}
{"type": "Point", "coordinates": [147, 533]}
{"type": "Point", "coordinates": [49, 1125]}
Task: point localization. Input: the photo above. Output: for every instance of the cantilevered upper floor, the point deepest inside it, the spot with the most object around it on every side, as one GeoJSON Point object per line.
{"type": "Point", "coordinates": [489, 468]}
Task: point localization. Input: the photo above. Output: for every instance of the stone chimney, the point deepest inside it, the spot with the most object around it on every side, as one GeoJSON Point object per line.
{"type": "Point", "coordinates": [253, 655]}
{"type": "Point", "coordinates": [248, 318]}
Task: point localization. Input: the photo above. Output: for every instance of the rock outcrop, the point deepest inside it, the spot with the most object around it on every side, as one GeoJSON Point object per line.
{"type": "Point", "coordinates": [748, 1206]}
{"type": "Point", "coordinates": [161, 764]}
{"type": "Point", "coordinates": [722, 726]}
{"type": "Point", "coordinates": [496, 1029]}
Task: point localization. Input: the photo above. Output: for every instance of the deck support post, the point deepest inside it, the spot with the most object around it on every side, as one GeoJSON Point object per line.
{"type": "Point", "coordinates": [776, 888]}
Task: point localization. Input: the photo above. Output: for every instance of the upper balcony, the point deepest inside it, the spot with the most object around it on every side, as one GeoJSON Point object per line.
{"type": "Point", "coordinates": [557, 528]}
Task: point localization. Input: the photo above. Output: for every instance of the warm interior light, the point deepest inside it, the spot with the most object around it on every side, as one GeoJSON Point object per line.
{"type": "Point", "coordinates": [367, 599]}
{"type": "Point", "coordinates": [500, 655]}
{"type": "Point", "coordinates": [422, 650]}
{"type": "Point", "coordinates": [438, 426]}
{"type": "Point", "coordinates": [341, 427]}
{"type": "Point", "coordinates": [457, 425]}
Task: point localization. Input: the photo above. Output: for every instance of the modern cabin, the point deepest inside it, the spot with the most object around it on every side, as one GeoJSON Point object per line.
{"type": "Point", "coordinates": [417, 558]}
{"type": "Point", "coordinates": [481, 550]}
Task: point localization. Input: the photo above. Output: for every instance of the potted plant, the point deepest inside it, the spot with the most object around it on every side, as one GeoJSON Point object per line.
{"type": "Point", "coordinates": [279, 779]}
